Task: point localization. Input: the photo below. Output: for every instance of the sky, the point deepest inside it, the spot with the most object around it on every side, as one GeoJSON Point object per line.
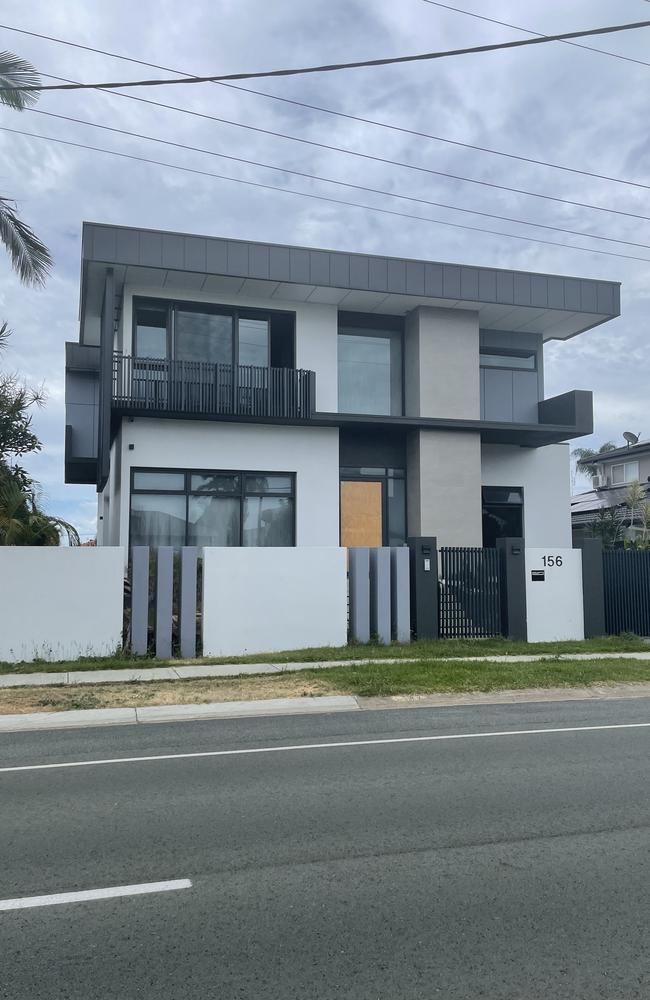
{"type": "Point", "coordinates": [552, 102]}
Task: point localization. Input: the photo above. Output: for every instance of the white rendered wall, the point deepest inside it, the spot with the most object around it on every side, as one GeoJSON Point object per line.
{"type": "Point", "coordinates": [263, 600]}
{"type": "Point", "coordinates": [316, 327]}
{"type": "Point", "coordinates": [311, 452]}
{"type": "Point", "coordinates": [554, 605]}
{"type": "Point", "coordinates": [60, 603]}
{"type": "Point", "coordinates": [544, 474]}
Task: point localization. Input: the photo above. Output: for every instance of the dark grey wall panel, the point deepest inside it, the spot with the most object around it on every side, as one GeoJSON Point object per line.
{"type": "Point", "coordinates": [505, 287]}
{"type": "Point", "coordinates": [539, 291]}
{"type": "Point", "coordinates": [556, 293]}
{"type": "Point", "coordinates": [397, 276]}
{"type": "Point", "coordinates": [524, 397]}
{"type": "Point", "coordinates": [217, 256]}
{"type": "Point", "coordinates": [340, 270]}
{"type": "Point", "coordinates": [487, 286]}
{"type": "Point", "coordinates": [433, 280]}
{"type": "Point", "coordinates": [237, 259]}
{"type": "Point", "coordinates": [589, 296]}
{"type": "Point", "coordinates": [469, 283]}
{"type": "Point", "coordinates": [359, 267]}
{"type": "Point", "coordinates": [377, 274]}
{"type": "Point", "coordinates": [450, 281]}
{"type": "Point", "coordinates": [572, 294]}
{"type": "Point", "coordinates": [127, 246]}
{"type": "Point", "coordinates": [300, 266]}
{"type": "Point", "coordinates": [498, 394]}
{"type": "Point", "coordinates": [279, 264]}
{"type": "Point", "coordinates": [482, 384]}
{"type": "Point", "coordinates": [172, 250]}
{"type": "Point", "coordinates": [522, 289]}
{"type": "Point", "coordinates": [259, 262]}
{"type": "Point", "coordinates": [195, 256]}
{"type": "Point", "coordinates": [414, 277]}
{"type": "Point", "coordinates": [319, 267]}
{"type": "Point", "coordinates": [151, 248]}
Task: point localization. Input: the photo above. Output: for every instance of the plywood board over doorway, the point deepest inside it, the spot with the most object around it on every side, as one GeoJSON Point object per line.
{"type": "Point", "coordinates": [361, 514]}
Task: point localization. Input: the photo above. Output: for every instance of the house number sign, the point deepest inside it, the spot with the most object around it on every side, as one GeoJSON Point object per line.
{"type": "Point", "coordinates": [552, 560]}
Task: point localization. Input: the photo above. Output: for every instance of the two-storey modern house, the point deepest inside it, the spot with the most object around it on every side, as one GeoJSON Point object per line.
{"type": "Point", "coordinates": [233, 393]}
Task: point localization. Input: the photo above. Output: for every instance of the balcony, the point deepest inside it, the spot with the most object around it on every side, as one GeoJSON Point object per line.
{"type": "Point", "coordinates": [196, 388]}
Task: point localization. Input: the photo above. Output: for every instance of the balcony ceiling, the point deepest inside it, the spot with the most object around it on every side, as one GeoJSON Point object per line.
{"type": "Point", "coordinates": [554, 306]}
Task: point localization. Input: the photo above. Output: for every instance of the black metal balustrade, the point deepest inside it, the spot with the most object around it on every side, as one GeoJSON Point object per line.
{"type": "Point", "coordinates": [212, 389]}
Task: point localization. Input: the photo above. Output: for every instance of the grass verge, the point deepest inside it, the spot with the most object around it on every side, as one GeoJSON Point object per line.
{"type": "Point", "coordinates": [427, 650]}
{"type": "Point", "coordinates": [379, 679]}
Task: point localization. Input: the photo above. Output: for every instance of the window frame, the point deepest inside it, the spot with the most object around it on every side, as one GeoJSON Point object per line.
{"type": "Point", "coordinates": [366, 324]}
{"type": "Point", "coordinates": [240, 495]}
{"type": "Point", "coordinates": [508, 353]}
{"type": "Point", "coordinates": [211, 308]}
{"type": "Point", "coordinates": [622, 465]}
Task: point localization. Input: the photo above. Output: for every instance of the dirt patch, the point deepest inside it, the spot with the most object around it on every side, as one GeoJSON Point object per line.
{"type": "Point", "coordinates": [20, 701]}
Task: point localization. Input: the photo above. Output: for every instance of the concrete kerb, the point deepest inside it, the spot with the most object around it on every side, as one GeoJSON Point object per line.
{"type": "Point", "coordinates": [310, 706]}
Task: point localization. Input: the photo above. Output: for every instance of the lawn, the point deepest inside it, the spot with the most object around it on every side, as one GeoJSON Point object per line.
{"type": "Point", "coordinates": [377, 679]}
{"type": "Point", "coordinates": [426, 650]}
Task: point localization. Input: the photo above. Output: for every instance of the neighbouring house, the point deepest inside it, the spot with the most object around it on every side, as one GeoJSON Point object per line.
{"type": "Point", "coordinates": [614, 472]}
{"type": "Point", "coordinates": [226, 392]}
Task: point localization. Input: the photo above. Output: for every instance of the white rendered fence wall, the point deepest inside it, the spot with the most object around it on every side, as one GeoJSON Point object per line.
{"type": "Point", "coordinates": [60, 603]}
{"type": "Point", "coordinates": [554, 600]}
{"type": "Point", "coordinates": [263, 600]}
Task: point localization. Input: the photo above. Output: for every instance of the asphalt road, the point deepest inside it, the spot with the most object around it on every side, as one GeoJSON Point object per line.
{"type": "Point", "coordinates": [508, 866]}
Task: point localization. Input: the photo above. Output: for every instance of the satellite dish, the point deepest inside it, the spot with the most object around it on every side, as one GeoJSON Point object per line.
{"type": "Point", "coordinates": [631, 438]}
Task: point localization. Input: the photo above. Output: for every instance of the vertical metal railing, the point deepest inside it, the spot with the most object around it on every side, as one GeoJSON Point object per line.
{"type": "Point", "coordinates": [626, 578]}
{"type": "Point", "coordinates": [213, 389]}
{"type": "Point", "coordinates": [470, 593]}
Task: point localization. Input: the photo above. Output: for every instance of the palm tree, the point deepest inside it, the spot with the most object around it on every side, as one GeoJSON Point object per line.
{"type": "Point", "coordinates": [29, 256]}
{"type": "Point", "coordinates": [584, 455]}
{"type": "Point", "coordinates": [22, 522]}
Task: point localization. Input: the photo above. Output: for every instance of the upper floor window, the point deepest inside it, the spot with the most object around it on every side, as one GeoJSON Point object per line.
{"type": "Point", "coordinates": [214, 334]}
{"type": "Point", "coordinates": [369, 367]}
{"type": "Point", "coordinates": [626, 472]}
{"type": "Point", "coordinates": [522, 361]}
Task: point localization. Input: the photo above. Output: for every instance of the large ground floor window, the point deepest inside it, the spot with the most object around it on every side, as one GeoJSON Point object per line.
{"type": "Point", "coordinates": [199, 507]}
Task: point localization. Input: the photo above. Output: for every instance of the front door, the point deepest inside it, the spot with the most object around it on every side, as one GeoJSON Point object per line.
{"type": "Point", "coordinates": [361, 514]}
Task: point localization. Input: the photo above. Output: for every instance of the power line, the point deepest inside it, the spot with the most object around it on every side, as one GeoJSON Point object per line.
{"type": "Point", "coordinates": [353, 186]}
{"type": "Point", "coordinates": [539, 34]}
{"type": "Point", "coordinates": [311, 107]}
{"type": "Point", "coordinates": [320, 197]}
{"type": "Point", "coordinates": [351, 152]}
{"type": "Point", "coordinates": [336, 67]}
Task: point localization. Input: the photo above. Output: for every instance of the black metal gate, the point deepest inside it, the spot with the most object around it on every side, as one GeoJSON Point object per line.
{"type": "Point", "coordinates": [626, 576]}
{"type": "Point", "coordinates": [470, 593]}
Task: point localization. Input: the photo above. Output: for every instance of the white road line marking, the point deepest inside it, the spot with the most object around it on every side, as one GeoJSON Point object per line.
{"type": "Point", "coordinates": [324, 746]}
{"type": "Point", "coordinates": [56, 898]}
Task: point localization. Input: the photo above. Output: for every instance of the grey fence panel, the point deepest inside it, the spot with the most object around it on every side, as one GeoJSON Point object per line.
{"type": "Point", "coordinates": [164, 601]}
{"type": "Point", "coordinates": [400, 592]}
{"type": "Point", "coordinates": [359, 591]}
{"type": "Point", "coordinates": [139, 599]}
{"type": "Point", "coordinates": [380, 603]}
{"type": "Point", "coordinates": [470, 593]}
{"type": "Point", "coordinates": [626, 577]}
{"type": "Point", "coordinates": [187, 610]}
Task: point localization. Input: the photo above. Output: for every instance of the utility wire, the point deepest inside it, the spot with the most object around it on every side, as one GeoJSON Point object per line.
{"type": "Point", "coordinates": [320, 197]}
{"type": "Point", "coordinates": [302, 104]}
{"type": "Point", "coordinates": [336, 67]}
{"type": "Point", "coordinates": [353, 186]}
{"type": "Point", "coordinates": [351, 152]}
{"type": "Point", "coordinates": [539, 34]}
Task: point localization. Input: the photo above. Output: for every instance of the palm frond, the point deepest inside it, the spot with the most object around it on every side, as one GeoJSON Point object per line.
{"type": "Point", "coordinates": [16, 74]}
{"type": "Point", "coordinates": [30, 258]}
{"type": "Point", "coordinates": [5, 334]}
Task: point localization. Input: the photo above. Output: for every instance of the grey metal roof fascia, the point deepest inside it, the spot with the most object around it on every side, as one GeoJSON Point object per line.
{"type": "Point", "coordinates": [391, 275]}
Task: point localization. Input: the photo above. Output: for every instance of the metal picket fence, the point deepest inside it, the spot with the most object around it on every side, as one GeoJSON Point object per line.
{"type": "Point", "coordinates": [470, 593]}
{"type": "Point", "coordinates": [626, 578]}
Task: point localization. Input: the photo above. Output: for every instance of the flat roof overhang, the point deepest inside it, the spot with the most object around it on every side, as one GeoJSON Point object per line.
{"type": "Point", "coordinates": [555, 306]}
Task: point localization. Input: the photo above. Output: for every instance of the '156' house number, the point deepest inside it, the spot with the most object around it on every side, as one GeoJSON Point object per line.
{"type": "Point", "coordinates": [552, 560]}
